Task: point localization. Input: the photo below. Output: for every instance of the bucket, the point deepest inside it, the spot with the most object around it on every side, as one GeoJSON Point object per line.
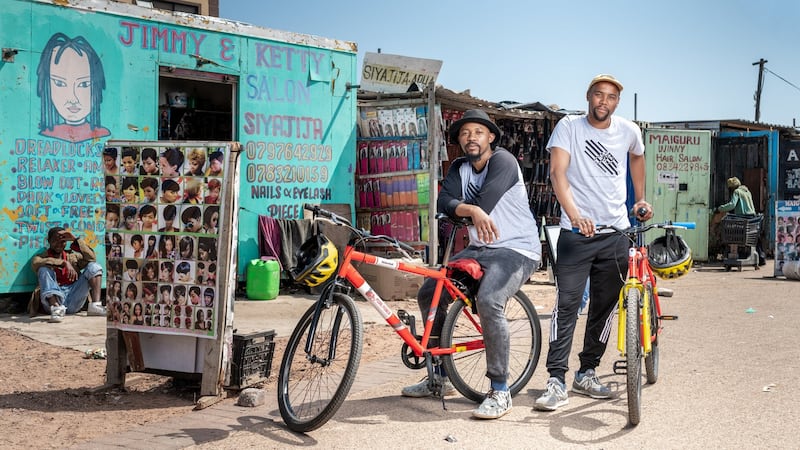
{"type": "Point", "coordinates": [263, 279]}
{"type": "Point", "coordinates": [791, 270]}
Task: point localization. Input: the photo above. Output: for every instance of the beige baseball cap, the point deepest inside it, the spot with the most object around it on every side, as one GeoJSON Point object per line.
{"type": "Point", "coordinates": [608, 78]}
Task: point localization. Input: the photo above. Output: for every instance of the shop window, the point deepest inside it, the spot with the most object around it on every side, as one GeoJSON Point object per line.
{"type": "Point", "coordinates": [196, 105]}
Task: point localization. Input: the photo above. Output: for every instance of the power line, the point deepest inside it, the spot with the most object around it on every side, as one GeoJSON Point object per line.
{"type": "Point", "coordinates": [784, 79]}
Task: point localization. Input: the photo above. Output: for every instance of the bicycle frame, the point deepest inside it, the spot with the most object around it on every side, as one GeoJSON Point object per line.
{"type": "Point", "coordinates": [347, 271]}
{"type": "Point", "coordinates": [322, 355]}
{"type": "Point", "coordinates": [640, 276]}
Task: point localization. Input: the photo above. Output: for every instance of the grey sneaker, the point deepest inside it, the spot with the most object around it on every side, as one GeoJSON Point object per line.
{"type": "Point", "coordinates": [554, 396]}
{"type": "Point", "coordinates": [496, 405]}
{"type": "Point", "coordinates": [57, 313]}
{"type": "Point", "coordinates": [587, 383]}
{"type": "Point", "coordinates": [421, 389]}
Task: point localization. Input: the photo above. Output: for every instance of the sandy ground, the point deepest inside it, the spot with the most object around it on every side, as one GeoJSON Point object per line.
{"type": "Point", "coordinates": [54, 397]}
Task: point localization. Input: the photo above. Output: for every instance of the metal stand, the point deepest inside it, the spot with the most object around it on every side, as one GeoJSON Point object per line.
{"type": "Point", "coordinates": [737, 259]}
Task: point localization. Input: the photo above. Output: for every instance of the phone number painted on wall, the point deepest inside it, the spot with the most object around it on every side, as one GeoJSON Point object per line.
{"type": "Point", "coordinates": [683, 166]}
{"type": "Point", "coordinates": [285, 173]}
{"type": "Point", "coordinates": [258, 150]}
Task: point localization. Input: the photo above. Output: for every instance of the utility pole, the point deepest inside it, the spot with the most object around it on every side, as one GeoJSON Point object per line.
{"type": "Point", "coordinates": [760, 63]}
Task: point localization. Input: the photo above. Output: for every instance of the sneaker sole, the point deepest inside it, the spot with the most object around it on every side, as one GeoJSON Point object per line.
{"type": "Point", "coordinates": [589, 394]}
{"type": "Point", "coordinates": [539, 407]}
{"type": "Point", "coordinates": [411, 395]}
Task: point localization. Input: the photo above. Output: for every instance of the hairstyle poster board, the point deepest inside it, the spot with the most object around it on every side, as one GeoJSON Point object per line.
{"type": "Point", "coordinates": [163, 207]}
{"type": "Point", "coordinates": [787, 233]}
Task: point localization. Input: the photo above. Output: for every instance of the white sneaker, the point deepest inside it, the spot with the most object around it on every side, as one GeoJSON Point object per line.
{"type": "Point", "coordinates": [496, 405]}
{"type": "Point", "coordinates": [421, 389]}
{"type": "Point", "coordinates": [57, 313]}
{"type": "Point", "coordinates": [588, 384]}
{"type": "Point", "coordinates": [554, 396]}
{"type": "Point", "coordinates": [96, 309]}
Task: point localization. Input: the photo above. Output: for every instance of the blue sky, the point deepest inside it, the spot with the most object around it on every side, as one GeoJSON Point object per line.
{"type": "Point", "coordinates": [684, 59]}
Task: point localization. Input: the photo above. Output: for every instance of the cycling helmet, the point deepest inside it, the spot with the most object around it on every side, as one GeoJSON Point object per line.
{"type": "Point", "coordinates": [317, 259]}
{"type": "Point", "coordinates": [669, 256]}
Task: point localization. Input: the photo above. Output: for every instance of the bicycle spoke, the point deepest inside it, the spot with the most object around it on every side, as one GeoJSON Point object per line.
{"type": "Point", "coordinates": [467, 370]}
{"type": "Point", "coordinates": [313, 386]}
{"type": "Point", "coordinates": [633, 355]}
{"type": "Point", "coordinates": [318, 383]}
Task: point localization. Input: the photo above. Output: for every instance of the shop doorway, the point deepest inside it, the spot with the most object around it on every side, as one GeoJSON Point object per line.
{"type": "Point", "coordinates": [195, 105]}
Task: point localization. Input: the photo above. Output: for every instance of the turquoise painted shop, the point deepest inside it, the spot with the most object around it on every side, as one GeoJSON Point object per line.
{"type": "Point", "coordinates": [74, 76]}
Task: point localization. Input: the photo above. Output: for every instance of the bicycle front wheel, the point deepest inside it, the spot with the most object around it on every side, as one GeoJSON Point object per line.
{"type": "Point", "coordinates": [467, 368]}
{"type": "Point", "coordinates": [633, 355]}
{"type": "Point", "coordinates": [651, 359]}
{"type": "Point", "coordinates": [313, 385]}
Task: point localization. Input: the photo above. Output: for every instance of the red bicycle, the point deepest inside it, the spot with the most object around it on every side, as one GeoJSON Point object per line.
{"type": "Point", "coordinates": [323, 352]}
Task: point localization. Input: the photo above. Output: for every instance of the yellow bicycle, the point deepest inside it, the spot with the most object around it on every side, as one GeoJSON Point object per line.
{"type": "Point", "coordinates": [639, 309]}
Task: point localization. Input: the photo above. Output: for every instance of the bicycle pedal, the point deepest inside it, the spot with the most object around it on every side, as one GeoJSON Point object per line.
{"type": "Point", "coordinates": [668, 317]}
{"type": "Point", "coordinates": [664, 292]}
{"type": "Point", "coordinates": [408, 319]}
{"type": "Point", "coordinates": [403, 315]}
{"type": "Point", "coordinates": [620, 367]}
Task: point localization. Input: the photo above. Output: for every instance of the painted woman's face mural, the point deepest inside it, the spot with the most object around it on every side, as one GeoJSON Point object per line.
{"type": "Point", "coordinates": [70, 84]}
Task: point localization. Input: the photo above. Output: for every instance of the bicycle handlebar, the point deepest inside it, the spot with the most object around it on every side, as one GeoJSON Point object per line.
{"type": "Point", "coordinates": [341, 221]}
{"type": "Point", "coordinates": [642, 228]}
{"type": "Point", "coordinates": [332, 216]}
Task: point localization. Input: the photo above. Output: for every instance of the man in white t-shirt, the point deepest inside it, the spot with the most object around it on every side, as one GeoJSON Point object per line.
{"type": "Point", "coordinates": [589, 158]}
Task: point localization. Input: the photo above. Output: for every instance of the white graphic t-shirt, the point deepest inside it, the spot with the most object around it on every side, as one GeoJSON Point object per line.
{"type": "Point", "coordinates": [598, 166]}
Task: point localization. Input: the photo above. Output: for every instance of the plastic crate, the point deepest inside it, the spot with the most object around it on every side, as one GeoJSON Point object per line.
{"type": "Point", "coordinates": [741, 230]}
{"type": "Point", "coordinates": [252, 358]}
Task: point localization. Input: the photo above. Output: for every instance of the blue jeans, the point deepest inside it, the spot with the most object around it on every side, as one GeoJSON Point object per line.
{"type": "Point", "coordinates": [504, 273]}
{"type": "Point", "coordinates": [73, 296]}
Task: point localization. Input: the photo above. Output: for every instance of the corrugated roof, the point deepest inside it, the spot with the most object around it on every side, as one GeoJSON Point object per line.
{"type": "Point", "coordinates": [463, 100]}
{"type": "Point", "coordinates": [725, 125]}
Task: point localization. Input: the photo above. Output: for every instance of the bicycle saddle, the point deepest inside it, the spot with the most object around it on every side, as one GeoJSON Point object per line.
{"type": "Point", "coordinates": [469, 266]}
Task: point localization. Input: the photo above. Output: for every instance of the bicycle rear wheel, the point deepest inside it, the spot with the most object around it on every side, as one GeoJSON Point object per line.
{"type": "Point", "coordinates": [467, 369]}
{"type": "Point", "coordinates": [312, 386]}
{"type": "Point", "coordinates": [651, 359]}
{"type": "Point", "coordinates": [633, 355]}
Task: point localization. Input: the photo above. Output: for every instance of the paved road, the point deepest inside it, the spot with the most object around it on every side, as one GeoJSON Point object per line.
{"type": "Point", "coordinates": [728, 369]}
